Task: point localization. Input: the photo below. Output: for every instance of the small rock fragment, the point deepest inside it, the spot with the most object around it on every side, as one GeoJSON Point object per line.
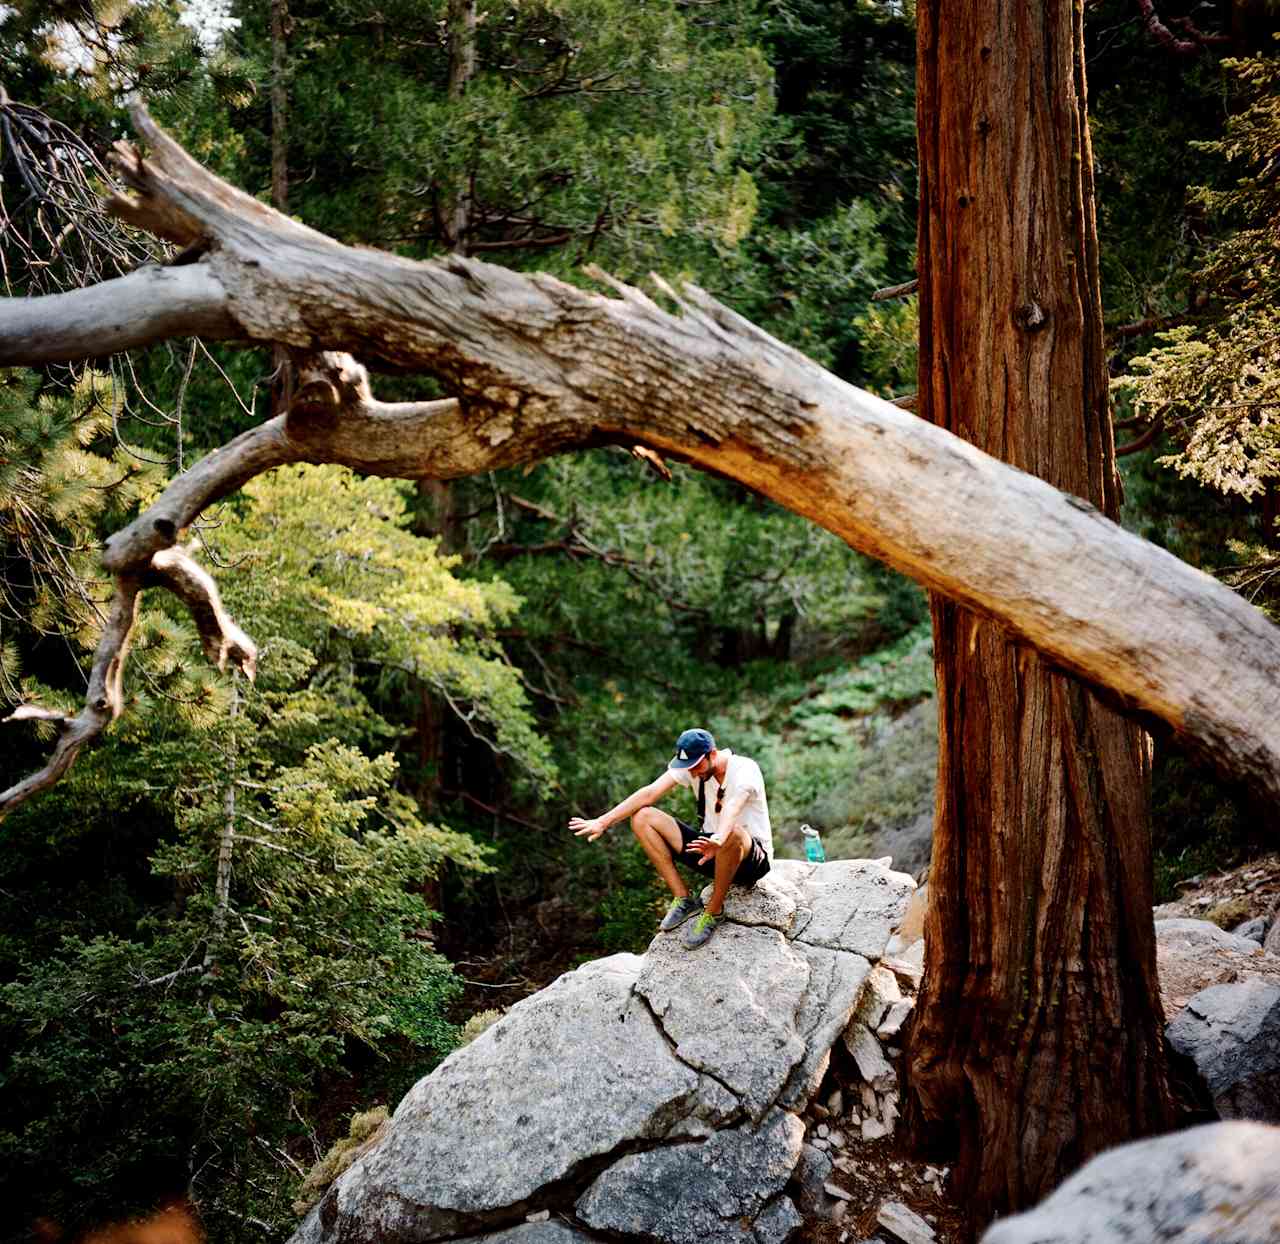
{"type": "Point", "coordinates": [904, 1224]}
{"type": "Point", "coordinates": [879, 993]}
{"type": "Point", "coordinates": [835, 1103]}
{"type": "Point", "coordinates": [892, 1023]}
{"type": "Point", "coordinates": [873, 1129]}
{"type": "Point", "coordinates": [908, 967]}
{"type": "Point", "coordinates": [538, 1216]}
{"type": "Point", "coordinates": [818, 1110]}
{"type": "Point", "coordinates": [868, 1095]}
{"type": "Point", "coordinates": [836, 1139]}
{"type": "Point", "coordinates": [824, 1131]}
{"type": "Point", "coordinates": [874, 1068]}
{"type": "Point", "coordinates": [835, 1190]}
{"type": "Point", "coordinates": [818, 1143]}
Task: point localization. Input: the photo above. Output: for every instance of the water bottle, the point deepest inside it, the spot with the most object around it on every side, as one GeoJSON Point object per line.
{"type": "Point", "coordinates": [813, 851]}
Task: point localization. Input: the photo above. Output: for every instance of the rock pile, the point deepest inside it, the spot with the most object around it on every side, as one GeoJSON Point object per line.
{"type": "Point", "coordinates": [668, 1096]}
{"type": "Point", "coordinates": [1221, 993]}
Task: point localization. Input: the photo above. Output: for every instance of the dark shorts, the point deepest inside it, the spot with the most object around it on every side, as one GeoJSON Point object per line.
{"type": "Point", "coordinates": [752, 868]}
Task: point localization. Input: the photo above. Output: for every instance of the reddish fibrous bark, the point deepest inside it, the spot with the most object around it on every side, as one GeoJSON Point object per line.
{"type": "Point", "coordinates": [1037, 1037]}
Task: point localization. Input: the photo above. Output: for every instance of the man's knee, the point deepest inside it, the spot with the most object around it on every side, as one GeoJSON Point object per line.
{"type": "Point", "coordinates": [645, 820]}
{"type": "Point", "coordinates": [740, 840]}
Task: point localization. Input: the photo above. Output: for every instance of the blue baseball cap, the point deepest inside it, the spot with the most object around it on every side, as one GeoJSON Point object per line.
{"type": "Point", "coordinates": [691, 746]}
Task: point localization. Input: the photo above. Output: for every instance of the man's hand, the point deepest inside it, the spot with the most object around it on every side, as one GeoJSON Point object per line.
{"type": "Point", "coordinates": [705, 848]}
{"type": "Point", "coordinates": [589, 829]}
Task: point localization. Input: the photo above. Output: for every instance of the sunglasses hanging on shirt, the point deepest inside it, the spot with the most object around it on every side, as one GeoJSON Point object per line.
{"type": "Point", "coordinates": [702, 796]}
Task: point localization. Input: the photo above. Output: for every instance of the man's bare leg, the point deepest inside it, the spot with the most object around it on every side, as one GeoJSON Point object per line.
{"type": "Point", "coordinates": [659, 835]}
{"type": "Point", "coordinates": [734, 851]}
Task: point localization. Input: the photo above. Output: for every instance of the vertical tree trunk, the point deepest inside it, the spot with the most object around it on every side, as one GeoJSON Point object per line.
{"type": "Point", "coordinates": [462, 68]}
{"type": "Point", "coordinates": [1037, 1039]}
{"type": "Point", "coordinates": [227, 836]}
{"type": "Point", "coordinates": [438, 494]}
{"type": "Point", "coordinates": [279, 106]}
{"type": "Point", "coordinates": [282, 386]}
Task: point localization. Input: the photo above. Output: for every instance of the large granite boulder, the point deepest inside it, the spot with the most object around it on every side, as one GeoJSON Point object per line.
{"type": "Point", "coordinates": [1232, 1034]}
{"type": "Point", "coordinates": [1220, 1182]}
{"type": "Point", "coordinates": [655, 1096]}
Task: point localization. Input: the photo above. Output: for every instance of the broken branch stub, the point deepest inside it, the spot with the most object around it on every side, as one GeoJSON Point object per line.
{"type": "Point", "coordinates": [540, 367]}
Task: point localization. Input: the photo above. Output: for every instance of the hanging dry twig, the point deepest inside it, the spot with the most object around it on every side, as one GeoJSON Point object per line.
{"type": "Point", "coordinates": [55, 231]}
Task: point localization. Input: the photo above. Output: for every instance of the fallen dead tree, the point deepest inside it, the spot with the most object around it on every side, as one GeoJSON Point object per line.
{"type": "Point", "coordinates": [539, 367]}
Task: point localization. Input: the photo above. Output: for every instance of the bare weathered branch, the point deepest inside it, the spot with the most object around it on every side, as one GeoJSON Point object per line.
{"type": "Point", "coordinates": [540, 367]}
{"type": "Point", "coordinates": [905, 290]}
{"type": "Point", "coordinates": [103, 701]}
{"type": "Point", "coordinates": [149, 305]}
{"type": "Point", "coordinates": [222, 640]}
{"type": "Point", "coordinates": [1194, 44]}
{"type": "Point", "coordinates": [653, 461]}
{"type": "Point", "coordinates": [1148, 438]}
{"type": "Point", "coordinates": [34, 712]}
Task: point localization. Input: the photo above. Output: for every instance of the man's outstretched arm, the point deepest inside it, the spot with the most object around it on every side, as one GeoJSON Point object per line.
{"type": "Point", "coordinates": [592, 829]}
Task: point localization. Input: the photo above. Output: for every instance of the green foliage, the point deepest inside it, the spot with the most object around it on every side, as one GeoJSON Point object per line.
{"type": "Point", "coordinates": [1146, 110]}
{"type": "Point", "coordinates": [810, 285]}
{"type": "Point", "coordinates": [61, 477]}
{"type": "Point", "coordinates": [328, 562]}
{"type": "Point", "coordinates": [887, 335]}
{"type": "Point", "coordinates": [634, 903]}
{"type": "Point", "coordinates": [810, 739]}
{"type": "Point", "coordinates": [683, 582]}
{"type": "Point", "coordinates": [1199, 824]}
{"type": "Point", "coordinates": [837, 184]}
{"type": "Point", "coordinates": [1217, 382]}
{"type": "Point", "coordinates": [480, 1022]}
{"type": "Point", "coordinates": [589, 130]}
{"type": "Point", "coordinates": [364, 1127]}
{"type": "Point", "coordinates": [206, 1004]}
{"type": "Point", "coordinates": [888, 783]}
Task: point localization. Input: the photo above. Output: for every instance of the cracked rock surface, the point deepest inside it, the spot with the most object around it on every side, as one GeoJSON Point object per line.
{"type": "Point", "coordinates": [689, 1194]}
{"type": "Point", "coordinates": [654, 1096]}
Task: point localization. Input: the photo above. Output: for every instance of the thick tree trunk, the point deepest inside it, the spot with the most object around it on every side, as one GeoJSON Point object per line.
{"type": "Point", "coordinates": [1037, 1038]}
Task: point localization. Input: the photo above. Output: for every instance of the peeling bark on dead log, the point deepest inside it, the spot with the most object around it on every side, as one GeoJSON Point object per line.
{"type": "Point", "coordinates": [540, 367]}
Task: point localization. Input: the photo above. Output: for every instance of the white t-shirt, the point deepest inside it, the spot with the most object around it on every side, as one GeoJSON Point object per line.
{"type": "Point", "coordinates": [742, 774]}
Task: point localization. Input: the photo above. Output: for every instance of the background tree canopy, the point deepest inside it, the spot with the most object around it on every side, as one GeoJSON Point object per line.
{"type": "Point", "coordinates": [255, 909]}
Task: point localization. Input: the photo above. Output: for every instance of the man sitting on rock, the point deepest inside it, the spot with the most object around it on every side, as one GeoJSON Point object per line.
{"type": "Point", "coordinates": [733, 846]}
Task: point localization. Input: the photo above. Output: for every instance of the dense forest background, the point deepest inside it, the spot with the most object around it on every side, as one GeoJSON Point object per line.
{"type": "Point", "coordinates": [259, 908]}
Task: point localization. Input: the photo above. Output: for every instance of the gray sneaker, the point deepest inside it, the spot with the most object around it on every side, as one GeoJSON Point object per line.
{"type": "Point", "coordinates": [679, 912]}
{"type": "Point", "coordinates": [700, 931]}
